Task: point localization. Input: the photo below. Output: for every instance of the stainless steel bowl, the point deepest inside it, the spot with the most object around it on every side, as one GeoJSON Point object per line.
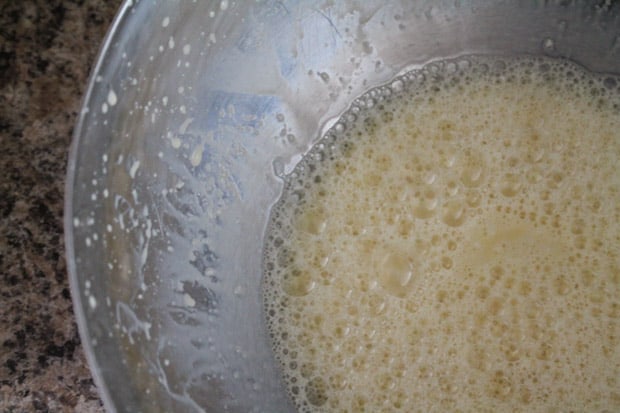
{"type": "Point", "coordinates": [193, 111]}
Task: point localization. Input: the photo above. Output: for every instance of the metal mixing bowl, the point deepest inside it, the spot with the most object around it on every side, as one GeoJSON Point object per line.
{"type": "Point", "coordinates": [193, 111]}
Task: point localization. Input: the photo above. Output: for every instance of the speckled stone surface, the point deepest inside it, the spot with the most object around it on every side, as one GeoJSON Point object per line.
{"type": "Point", "coordinates": [47, 48]}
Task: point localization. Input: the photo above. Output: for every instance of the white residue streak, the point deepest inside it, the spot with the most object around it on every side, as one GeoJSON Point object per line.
{"type": "Point", "coordinates": [112, 99]}
{"type": "Point", "coordinates": [189, 301]}
{"type": "Point", "coordinates": [185, 125]}
{"type": "Point", "coordinates": [134, 169]}
{"type": "Point", "coordinates": [223, 5]}
{"type": "Point", "coordinates": [164, 100]}
{"type": "Point", "coordinates": [175, 142]}
{"type": "Point", "coordinates": [104, 108]}
{"type": "Point", "coordinates": [165, 22]}
{"type": "Point", "coordinates": [149, 229]}
{"type": "Point", "coordinates": [147, 329]}
{"type": "Point", "coordinates": [171, 42]}
{"type": "Point", "coordinates": [130, 323]}
{"type": "Point", "coordinates": [92, 302]}
{"type": "Point", "coordinates": [144, 255]}
{"type": "Point", "coordinates": [196, 157]}
{"type": "Point", "coordinates": [186, 49]}
{"type": "Point", "coordinates": [212, 38]}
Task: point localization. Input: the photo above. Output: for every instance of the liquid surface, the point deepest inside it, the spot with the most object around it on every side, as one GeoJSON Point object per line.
{"type": "Point", "coordinates": [452, 244]}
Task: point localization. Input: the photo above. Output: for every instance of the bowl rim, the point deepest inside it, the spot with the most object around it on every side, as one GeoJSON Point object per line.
{"type": "Point", "coordinates": [70, 181]}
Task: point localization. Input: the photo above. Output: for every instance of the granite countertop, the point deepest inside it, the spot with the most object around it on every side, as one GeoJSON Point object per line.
{"type": "Point", "coordinates": [47, 48]}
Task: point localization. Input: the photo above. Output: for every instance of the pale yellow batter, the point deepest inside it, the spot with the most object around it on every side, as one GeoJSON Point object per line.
{"type": "Point", "coordinates": [455, 247]}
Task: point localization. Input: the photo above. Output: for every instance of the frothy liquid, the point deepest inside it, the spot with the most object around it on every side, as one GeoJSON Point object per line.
{"type": "Point", "coordinates": [452, 244]}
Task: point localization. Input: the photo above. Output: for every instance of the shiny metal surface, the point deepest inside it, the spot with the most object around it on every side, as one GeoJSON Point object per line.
{"type": "Point", "coordinates": [193, 111]}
